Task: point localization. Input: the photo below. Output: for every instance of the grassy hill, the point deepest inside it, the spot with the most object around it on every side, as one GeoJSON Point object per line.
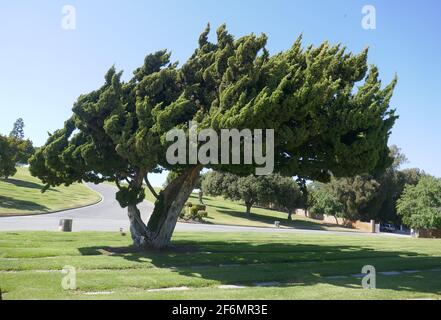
{"type": "Point", "coordinates": [21, 194]}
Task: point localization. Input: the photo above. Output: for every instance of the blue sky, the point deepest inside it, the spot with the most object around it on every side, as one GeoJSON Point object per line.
{"type": "Point", "coordinates": [44, 68]}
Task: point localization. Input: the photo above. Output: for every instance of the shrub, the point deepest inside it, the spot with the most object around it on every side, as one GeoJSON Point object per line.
{"type": "Point", "coordinates": [202, 214]}
{"type": "Point", "coordinates": [197, 212]}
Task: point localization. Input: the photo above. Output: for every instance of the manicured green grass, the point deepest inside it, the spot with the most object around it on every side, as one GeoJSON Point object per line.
{"type": "Point", "coordinates": [21, 194]}
{"type": "Point", "coordinates": [222, 211]}
{"type": "Point", "coordinates": [31, 264]}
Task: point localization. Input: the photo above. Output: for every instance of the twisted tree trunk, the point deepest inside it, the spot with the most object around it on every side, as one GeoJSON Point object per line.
{"type": "Point", "coordinates": [168, 206]}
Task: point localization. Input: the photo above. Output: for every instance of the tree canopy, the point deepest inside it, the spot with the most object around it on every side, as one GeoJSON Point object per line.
{"type": "Point", "coordinates": [374, 196]}
{"type": "Point", "coordinates": [420, 205]}
{"type": "Point", "coordinates": [250, 189]}
{"type": "Point", "coordinates": [321, 201]}
{"type": "Point", "coordinates": [8, 152]}
{"type": "Point", "coordinates": [328, 109]}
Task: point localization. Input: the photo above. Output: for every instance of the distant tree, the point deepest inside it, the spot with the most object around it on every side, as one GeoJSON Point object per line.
{"type": "Point", "coordinates": [374, 196]}
{"type": "Point", "coordinates": [392, 183]}
{"type": "Point", "coordinates": [355, 193]}
{"type": "Point", "coordinates": [220, 184]}
{"type": "Point", "coordinates": [411, 176]}
{"type": "Point", "coordinates": [420, 205]}
{"type": "Point", "coordinates": [275, 189]}
{"type": "Point", "coordinates": [8, 153]}
{"type": "Point", "coordinates": [18, 129]}
{"type": "Point", "coordinates": [25, 150]}
{"type": "Point", "coordinates": [286, 193]}
{"type": "Point", "coordinates": [321, 201]}
{"type": "Point", "coordinates": [249, 189]}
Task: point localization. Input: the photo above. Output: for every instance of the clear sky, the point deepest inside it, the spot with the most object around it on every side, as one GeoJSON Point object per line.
{"type": "Point", "coordinates": [44, 68]}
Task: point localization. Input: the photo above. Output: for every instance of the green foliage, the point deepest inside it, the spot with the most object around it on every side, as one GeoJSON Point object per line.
{"type": "Point", "coordinates": [329, 113]}
{"type": "Point", "coordinates": [14, 149]}
{"type": "Point", "coordinates": [172, 175]}
{"type": "Point", "coordinates": [193, 212]}
{"type": "Point", "coordinates": [284, 193]}
{"type": "Point", "coordinates": [374, 196]}
{"type": "Point", "coordinates": [8, 152]}
{"type": "Point", "coordinates": [355, 193]}
{"type": "Point", "coordinates": [327, 107]}
{"type": "Point", "coordinates": [126, 196]}
{"type": "Point", "coordinates": [18, 129]}
{"type": "Point", "coordinates": [420, 205]}
{"type": "Point", "coordinates": [272, 189]}
{"type": "Point", "coordinates": [250, 189]}
{"type": "Point", "coordinates": [321, 201]}
{"type": "Point", "coordinates": [24, 150]}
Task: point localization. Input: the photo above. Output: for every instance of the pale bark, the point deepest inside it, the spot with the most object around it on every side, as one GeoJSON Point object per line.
{"type": "Point", "coordinates": [170, 202]}
{"type": "Point", "coordinates": [138, 229]}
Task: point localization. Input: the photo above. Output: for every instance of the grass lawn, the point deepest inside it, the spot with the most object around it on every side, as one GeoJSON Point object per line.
{"type": "Point", "coordinates": [266, 266]}
{"type": "Point", "coordinates": [221, 211]}
{"type": "Point", "coordinates": [21, 194]}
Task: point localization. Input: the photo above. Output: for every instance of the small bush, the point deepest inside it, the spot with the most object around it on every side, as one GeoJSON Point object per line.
{"type": "Point", "coordinates": [193, 211]}
{"type": "Point", "coordinates": [201, 207]}
{"type": "Point", "coordinates": [202, 214]}
{"type": "Point", "coordinates": [195, 214]}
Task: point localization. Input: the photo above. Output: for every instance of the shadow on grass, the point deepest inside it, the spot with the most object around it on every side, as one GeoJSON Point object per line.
{"type": "Point", "coordinates": [285, 264]}
{"type": "Point", "coordinates": [26, 184]}
{"type": "Point", "coordinates": [256, 217]}
{"type": "Point", "coordinates": [12, 203]}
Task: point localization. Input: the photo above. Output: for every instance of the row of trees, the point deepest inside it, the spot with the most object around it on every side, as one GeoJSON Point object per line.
{"type": "Point", "coordinates": [397, 196]}
{"type": "Point", "coordinates": [271, 190]}
{"type": "Point", "coordinates": [14, 149]}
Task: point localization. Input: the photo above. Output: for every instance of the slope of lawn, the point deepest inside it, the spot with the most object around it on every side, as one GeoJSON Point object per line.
{"type": "Point", "coordinates": [222, 211]}
{"type": "Point", "coordinates": [21, 194]}
{"type": "Point", "coordinates": [218, 266]}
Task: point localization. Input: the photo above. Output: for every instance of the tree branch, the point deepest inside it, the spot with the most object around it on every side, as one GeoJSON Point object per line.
{"type": "Point", "coordinates": [147, 182]}
{"type": "Point", "coordinates": [117, 183]}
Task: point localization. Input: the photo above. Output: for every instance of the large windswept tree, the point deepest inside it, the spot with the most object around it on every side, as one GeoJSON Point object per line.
{"type": "Point", "coordinates": [326, 106]}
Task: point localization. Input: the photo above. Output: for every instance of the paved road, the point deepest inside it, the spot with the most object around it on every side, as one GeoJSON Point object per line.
{"type": "Point", "coordinates": [109, 216]}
